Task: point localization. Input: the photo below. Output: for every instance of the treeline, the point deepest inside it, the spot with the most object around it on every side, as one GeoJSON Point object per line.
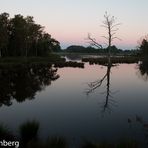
{"type": "Point", "coordinates": [89, 49]}
{"type": "Point", "coordinates": [21, 36]}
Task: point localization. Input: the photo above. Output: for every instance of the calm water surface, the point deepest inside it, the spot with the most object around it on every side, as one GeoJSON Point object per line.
{"type": "Point", "coordinates": [64, 107]}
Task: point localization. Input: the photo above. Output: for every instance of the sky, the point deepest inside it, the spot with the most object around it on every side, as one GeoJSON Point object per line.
{"type": "Point", "coordinates": [70, 21]}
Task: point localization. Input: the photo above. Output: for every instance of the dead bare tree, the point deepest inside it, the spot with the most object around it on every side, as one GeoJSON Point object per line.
{"type": "Point", "coordinates": [112, 27]}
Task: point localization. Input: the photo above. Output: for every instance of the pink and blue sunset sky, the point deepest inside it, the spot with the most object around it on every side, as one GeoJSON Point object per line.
{"type": "Point", "coordinates": [69, 21]}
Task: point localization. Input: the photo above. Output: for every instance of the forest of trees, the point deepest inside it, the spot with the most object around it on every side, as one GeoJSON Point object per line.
{"type": "Point", "coordinates": [21, 36]}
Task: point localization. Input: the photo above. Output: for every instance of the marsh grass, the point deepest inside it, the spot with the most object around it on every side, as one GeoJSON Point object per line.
{"type": "Point", "coordinates": [29, 139]}
{"type": "Point", "coordinates": [114, 60]}
{"type": "Point", "coordinates": [121, 144]}
{"type": "Point", "coordinates": [5, 133]}
{"type": "Point", "coordinates": [57, 142]}
{"type": "Point", "coordinates": [129, 143]}
{"type": "Point", "coordinates": [52, 142]}
{"type": "Point", "coordinates": [35, 144]}
{"type": "Point", "coordinates": [24, 60]}
{"type": "Point", "coordinates": [29, 131]}
{"type": "Point", "coordinates": [69, 64]}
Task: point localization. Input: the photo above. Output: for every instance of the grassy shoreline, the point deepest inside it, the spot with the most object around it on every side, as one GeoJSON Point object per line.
{"type": "Point", "coordinates": [114, 60]}
{"type": "Point", "coordinates": [54, 60]}
{"type": "Point", "coordinates": [26, 60]}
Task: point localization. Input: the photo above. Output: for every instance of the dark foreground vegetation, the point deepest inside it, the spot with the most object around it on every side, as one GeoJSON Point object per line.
{"type": "Point", "coordinates": [28, 137]}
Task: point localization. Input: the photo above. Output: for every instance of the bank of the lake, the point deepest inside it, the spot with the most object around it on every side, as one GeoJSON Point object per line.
{"type": "Point", "coordinates": [52, 58]}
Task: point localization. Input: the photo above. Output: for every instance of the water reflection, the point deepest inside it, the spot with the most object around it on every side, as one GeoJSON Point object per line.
{"type": "Point", "coordinates": [21, 82]}
{"type": "Point", "coordinates": [143, 69]}
{"type": "Point", "coordinates": [109, 102]}
{"type": "Point", "coordinates": [73, 57]}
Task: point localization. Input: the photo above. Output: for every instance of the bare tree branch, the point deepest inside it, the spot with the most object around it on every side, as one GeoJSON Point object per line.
{"type": "Point", "coordinates": [93, 42]}
{"type": "Point", "coordinates": [105, 37]}
{"type": "Point", "coordinates": [115, 25]}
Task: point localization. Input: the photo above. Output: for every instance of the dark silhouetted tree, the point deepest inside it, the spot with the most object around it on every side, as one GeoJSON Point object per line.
{"type": "Point", "coordinates": [144, 46]}
{"type": "Point", "coordinates": [4, 36]}
{"type": "Point", "coordinates": [44, 44]}
{"type": "Point", "coordinates": [33, 32]}
{"type": "Point", "coordinates": [17, 36]}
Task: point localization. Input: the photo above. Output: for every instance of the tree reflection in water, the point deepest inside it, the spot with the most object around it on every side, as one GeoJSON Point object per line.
{"type": "Point", "coordinates": [21, 82]}
{"type": "Point", "coordinates": [109, 102]}
{"type": "Point", "coordinates": [143, 69]}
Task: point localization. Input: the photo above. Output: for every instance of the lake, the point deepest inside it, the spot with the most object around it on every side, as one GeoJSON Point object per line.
{"type": "Point", "coordinates": [78, 103]}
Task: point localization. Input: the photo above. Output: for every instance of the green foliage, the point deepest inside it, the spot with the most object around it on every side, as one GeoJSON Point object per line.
{"type": "Point", "coordinates": [21, 36]}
